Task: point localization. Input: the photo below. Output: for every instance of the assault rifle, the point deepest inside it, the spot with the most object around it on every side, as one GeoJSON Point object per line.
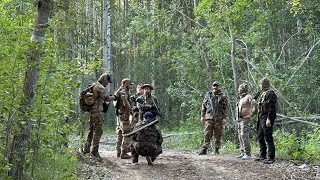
{"type": "Point", "coordinates": [208, 94]}
{"type": "Point", "coordinates": [257, 95]}
{"type": "Point", "coordinates": [140, 128]}
{"type": "Point", "coordinates": [153, 109]}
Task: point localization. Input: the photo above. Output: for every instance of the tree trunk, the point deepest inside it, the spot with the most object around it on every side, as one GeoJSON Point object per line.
{"type": "Point", "coordinates": [235, 82]}
{"type": "Point", "coordinates": [233, 62]}
{"type": "Point", "coordinates": [20, 139]}
{"type": "Point", "coordinates": [107, 39]}
{"type": "Point", "coordinates": [204, 53]}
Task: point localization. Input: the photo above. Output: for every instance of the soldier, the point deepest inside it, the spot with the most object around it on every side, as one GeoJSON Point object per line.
{"type": "Point", "coordinates": [266, 117]}
{"type": "Point", "coordinates": [245, 110]}
{"type": "Point", "coordinates": [147, 102]}
{"type": "Point", "coordinates": [123, 111]}
{"type": "Point", "coordinates": [214, 115]}
{"type": "Point", "coordinates": [135, 115]}
{"type": "Point", "coordinates": [146, 142]}
{"type": "Point", "coordinates": [96, 115]}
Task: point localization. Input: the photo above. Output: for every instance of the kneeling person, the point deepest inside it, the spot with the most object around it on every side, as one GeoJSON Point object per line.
{"type": "Point", "coordinates": [146, 142]}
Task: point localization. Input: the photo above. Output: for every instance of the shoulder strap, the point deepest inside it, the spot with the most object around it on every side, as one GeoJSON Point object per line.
{"type": "Point", "coordinates": [209, 94]}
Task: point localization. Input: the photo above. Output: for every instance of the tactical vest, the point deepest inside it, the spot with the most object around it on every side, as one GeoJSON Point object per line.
{"type": "Point", "coordinates": [264, 104]}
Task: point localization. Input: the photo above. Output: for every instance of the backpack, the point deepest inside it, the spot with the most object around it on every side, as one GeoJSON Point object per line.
{"type": "Point", "coordinates": [86, 99]}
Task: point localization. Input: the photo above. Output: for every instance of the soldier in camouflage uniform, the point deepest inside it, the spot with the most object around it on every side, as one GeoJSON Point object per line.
{"type": "Point", "coordinates": [135, 110]}
{"type": "Point", "coordinates": [96, 115]}
{"type": "Point", "coordinates": [147, 102]}
{"type": "Point", "coordinates": [266, 117]}
{"type": "Point", "coordinates": [214, 115]}
{"type": "Point", "coordinates": [123, 111]}
{"type": "Point", "coordinates": [245, 110]}
{"type": "Point", "coordinates": [146, 142]}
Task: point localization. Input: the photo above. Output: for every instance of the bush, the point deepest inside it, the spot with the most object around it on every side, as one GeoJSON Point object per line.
{"type": "Point", "coordinates": [312, 147]}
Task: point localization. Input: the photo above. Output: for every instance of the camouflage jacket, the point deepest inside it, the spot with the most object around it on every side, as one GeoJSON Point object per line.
{"type": "Point", "coordinates": [147, 103]}
{"type": "Point", "coordinates": [123, 100]}
{"type": "Point", "coordinates": [151, 134]}
{"type": "Point", "coordinates": [100, 95]}
{"type": "Point", "coordinates": [214, 106]}
{"type": "Point", "coordinates": [268, 104]}
{"type": "Point", "coordinates": [133, 101]}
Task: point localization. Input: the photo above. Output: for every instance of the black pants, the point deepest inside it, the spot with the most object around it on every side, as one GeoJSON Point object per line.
{"type": "Point", "coordinates": [265, 138]}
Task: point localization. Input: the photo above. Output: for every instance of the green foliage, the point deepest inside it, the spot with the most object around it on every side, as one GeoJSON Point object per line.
{"type": "Point", "coordinates": [302, 147]}
{"type": "Point", "coordinates": [288, 145]}
{"type": "Point", "coordinates": [158, 42]}
{"type": "Point", "coordinates": [311, 145]}
{"type": "Point", "coordinates": [181, 141]}
{"type": "Point", "coordinates": [228, 147]}
{"type": "Point", "coordinates": [56, 165]}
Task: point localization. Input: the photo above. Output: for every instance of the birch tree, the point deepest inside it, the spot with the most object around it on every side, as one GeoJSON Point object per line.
{"type": "Point", "coordinates": [36, 52]}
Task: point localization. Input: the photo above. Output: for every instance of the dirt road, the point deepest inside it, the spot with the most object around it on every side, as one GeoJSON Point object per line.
{"type": "Point", "coordinates": [189, 165]}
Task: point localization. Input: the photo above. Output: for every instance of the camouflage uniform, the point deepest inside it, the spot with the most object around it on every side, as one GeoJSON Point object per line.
{"type": "Point", "coordinates": [214, 114]}
{"type": "Point", "coordinates": [146, 142]}
{"type": "Point", "coordinates": [123, 123]}
{"type": "Point", "coordinates": [135, 110]}
{"type": "Point", "coordinates": [246, 108]}
{"type": "Point", "coordinates": [147, 102]}
{"type": "Point", "coordinates": [96, 115]}
{"type": "Point", "coordinates": [267, 109]}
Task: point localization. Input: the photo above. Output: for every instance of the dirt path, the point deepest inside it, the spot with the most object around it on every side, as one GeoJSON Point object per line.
{"type": "Point", "coordinates": [188, 165]}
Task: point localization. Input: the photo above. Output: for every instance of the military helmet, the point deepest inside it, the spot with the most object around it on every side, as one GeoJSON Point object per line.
{"type": "Point", "coordinates": [265, 83]}
{"type": "Point", "coordinates": [243, 88]}
{"type": "Point", "coordinates": [105, 77]}
{"type": "Point", "coordinates": [147, 85]}
{"type": "Point", "coordinates": [126, 80]}
{"type": "Point", "coordinates": [148, 115]}
{"type": "Point", "coordinates": [216, 83]}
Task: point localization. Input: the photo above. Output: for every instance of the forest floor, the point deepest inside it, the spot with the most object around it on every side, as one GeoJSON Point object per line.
{"type": "Point", "coordinates": [172, 164]}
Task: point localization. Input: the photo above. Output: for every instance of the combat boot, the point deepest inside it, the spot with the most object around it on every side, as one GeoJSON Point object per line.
{"type": "Point", "coordinates": [118, 152]}
{"type": "Point", "coordinates": [240, 155]}
{"type": "Point", "coordinates": [86, 149]}
{"type": "Point", "coordinates": [268, 161]}
{"type": "Point", "coordinates": [260, 158]}
{"type": "Point", "coordinates": [135, 159]}
{"type": "Point", "coordinates": [125, 156]}
{"type": "Point", "coordinates": [149, 161]}
{"type": "Point", "coordinates": [96, 154]}
{"type": "Point", "coordinates": [246, 156]}
{"type": "Point", "coordinates": [203, 151]}
{"type": "Point", "coordinates": [153, 158]}
{"type": "Point", "coordinates": [216, 151]}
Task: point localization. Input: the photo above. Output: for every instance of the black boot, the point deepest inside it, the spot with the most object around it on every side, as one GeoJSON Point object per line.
{"type": "Point", "coordinates": [86, 149]}
{"type": "Point", "coordinates": [149, 161]}
{"type": "Point", "coordinates": [216, 151]}
{"type": "Point", "coordinates": [153, 158]}
{"type": "Point", "coordinates": [203, 151]}
{"type": "Point", "coordinates": [135, 159]}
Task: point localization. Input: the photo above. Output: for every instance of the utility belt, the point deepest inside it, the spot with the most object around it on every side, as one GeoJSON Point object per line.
{"type": "Point", "coordinates": [214, 117]}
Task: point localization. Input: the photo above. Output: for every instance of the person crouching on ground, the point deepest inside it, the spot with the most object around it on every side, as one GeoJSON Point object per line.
{"type": "Point", "coordinates": [146, 142]}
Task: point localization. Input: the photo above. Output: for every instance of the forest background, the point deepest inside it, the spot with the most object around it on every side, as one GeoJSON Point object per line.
{"type": "Point", "coordinates": [178, 46]}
